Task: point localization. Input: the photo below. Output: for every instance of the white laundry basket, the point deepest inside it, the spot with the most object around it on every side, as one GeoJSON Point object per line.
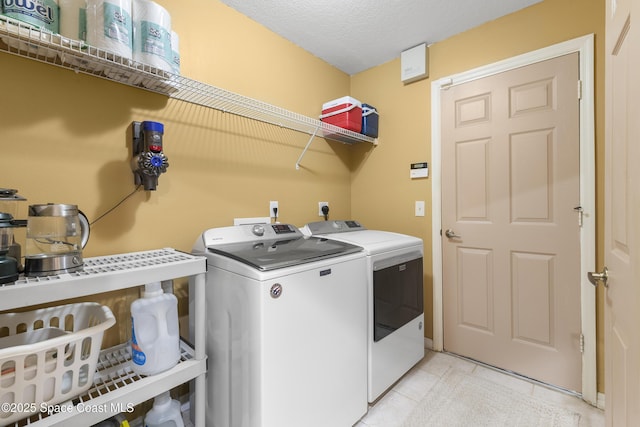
{"type": "Point", "coordinates": [48, 356]}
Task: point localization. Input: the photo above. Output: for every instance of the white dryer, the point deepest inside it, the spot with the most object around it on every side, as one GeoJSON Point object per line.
{"type": "Point", "coordinates": [395, 335]}
{"type": "Point", "coordinates": [286, 328]}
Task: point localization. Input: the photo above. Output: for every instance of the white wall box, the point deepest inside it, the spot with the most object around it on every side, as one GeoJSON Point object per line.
{"type": "Point", "coordinates": [414, 63]}
{"type": "Point", "coordinates": [115, 385]}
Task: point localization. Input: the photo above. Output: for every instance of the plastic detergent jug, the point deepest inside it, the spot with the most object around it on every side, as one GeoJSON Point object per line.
{"type": "Point", "coordinates": [165, 412]}
{"type": "Point", "coordinates": [155, 340]}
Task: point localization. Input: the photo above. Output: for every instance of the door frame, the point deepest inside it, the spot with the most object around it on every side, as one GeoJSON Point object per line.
{"type": "Point", "coordinates": [585, 47]}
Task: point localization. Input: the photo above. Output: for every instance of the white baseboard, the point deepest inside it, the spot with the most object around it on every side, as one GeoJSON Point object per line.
{"type": "Point", "coordinates": [600, 403]}
{"type": "Point", "coordinates": [428, 343]}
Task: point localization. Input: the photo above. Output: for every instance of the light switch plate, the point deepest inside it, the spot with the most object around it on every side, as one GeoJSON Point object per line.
{"type": "Point", "coordinates": [419, 207]}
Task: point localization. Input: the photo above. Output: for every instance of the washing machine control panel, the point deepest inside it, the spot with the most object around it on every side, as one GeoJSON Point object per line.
{"type": "Point", "coordinates": [249, 233]}
{"type": "Point", "coordinates": [283, 228]}
{"type": "Point", "coordinates": [259, 229]}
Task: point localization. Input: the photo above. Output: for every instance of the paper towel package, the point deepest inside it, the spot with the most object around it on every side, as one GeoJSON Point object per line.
{"type": "Point", "coordinates": [152, 34]}
{"type": "Point", "coordinates": [42, 14]}
{"type": "Point", "coordinates": [175, 52]}
{"type": "Point", "coordinates": [39, 20]}
{"type": "Point", "coordinates": [109, 26]}
{"type": "Point", "coordinates": [73, 19]}
{"type": "Point", "coordinates": [73, 29]}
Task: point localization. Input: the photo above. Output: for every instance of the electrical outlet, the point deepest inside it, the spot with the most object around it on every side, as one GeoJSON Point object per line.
{"type": "Point", "coordinates": [320, 205]}
{"type": "Point", "coordinates": [273, 204]}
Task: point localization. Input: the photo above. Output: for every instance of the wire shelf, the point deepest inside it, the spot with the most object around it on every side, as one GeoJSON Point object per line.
{"type": "Point", "coordinates": [112, 379]}
{"type": "Point", "coordinates": [131, 261]}
{"type": "Point", "coordinates": [23, 40]}
{"type": "Point", "coordinates": [102, 274]}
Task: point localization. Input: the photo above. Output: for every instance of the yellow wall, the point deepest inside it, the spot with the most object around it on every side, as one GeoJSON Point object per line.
{"type": "Point", "coordinates": [383, 196]}
{"type": "Point", "coordinates": [64, 139]}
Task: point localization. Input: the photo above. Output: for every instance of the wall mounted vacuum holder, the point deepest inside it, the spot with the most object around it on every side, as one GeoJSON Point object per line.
{"type": "Point", "coordinates": [148, 161]}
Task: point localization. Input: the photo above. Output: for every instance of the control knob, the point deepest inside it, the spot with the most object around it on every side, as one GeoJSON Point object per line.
{"type": "Point", "coordinates": [258, 230]}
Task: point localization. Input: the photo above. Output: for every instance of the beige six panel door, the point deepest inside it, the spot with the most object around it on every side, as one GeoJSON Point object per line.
{"type": "Point", "coordinates": [510, 219]}
{"type": "Point", "coordinates": [622, 214]}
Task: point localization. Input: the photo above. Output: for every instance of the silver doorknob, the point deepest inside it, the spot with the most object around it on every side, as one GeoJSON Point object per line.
{"type": "Point", "coordinates": [603, 277]}
{"type": "Point", "coordinates": [451, 234]}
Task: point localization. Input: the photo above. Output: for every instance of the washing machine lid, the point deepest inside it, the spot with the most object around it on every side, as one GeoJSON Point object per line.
{"type": "Point", "coordinates": [268, 247]}
{"type": "Point", "coordinates": [267, 255]}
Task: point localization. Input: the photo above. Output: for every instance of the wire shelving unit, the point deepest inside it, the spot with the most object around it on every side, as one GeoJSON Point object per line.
{"type": "Point", "coordinates": [28, 42]}
{"type": "Point", "coordinates": [116, 387]}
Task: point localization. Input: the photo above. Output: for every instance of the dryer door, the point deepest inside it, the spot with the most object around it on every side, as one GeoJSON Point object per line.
{"type": "Point", "coordinates": [397, 294]}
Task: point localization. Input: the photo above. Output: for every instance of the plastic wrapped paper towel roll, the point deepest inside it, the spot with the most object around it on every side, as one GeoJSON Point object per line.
{"type": "Point", "coordinates": [168, 85]}
{"type": "Point", "coordinates": [73, 19]}
{"type": "Point", "coordinates": [43, 15]}
{"type": "Point", "coordinates": [73, 29]}
{"type": "Point", "coordinates": [175, 52]}
{"type": "Point", "coordinates": [109, 26]}
{"type": "Point", "coordinates": [152, 34]}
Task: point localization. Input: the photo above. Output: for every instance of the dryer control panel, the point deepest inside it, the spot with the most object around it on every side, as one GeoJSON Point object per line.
{"type": "Point", "coordinates": [340, 226]}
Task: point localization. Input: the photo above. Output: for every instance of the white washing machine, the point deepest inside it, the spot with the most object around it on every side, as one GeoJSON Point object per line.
{"type": "Point", "coordinates": [286, 328]}
{"type": "Point", "coordinates": [395, 335]}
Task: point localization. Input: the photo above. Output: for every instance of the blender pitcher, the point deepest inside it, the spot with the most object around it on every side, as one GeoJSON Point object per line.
{"type": "Point", "coordinates": [56, 234]}
{"type": "Point", "coordinates": [8, 264]}
{"type": "Point", "coordinates": [11, 203]}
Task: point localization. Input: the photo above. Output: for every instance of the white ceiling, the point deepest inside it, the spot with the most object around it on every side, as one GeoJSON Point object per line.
{"type": "Point", "coordinates": [354, 35]}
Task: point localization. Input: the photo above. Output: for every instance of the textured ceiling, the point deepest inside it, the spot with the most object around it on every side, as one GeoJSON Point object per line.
{"type": "Point", "coordinates": [354, 35]}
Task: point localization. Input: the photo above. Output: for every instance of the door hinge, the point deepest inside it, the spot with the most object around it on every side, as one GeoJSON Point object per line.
{"type": "Point", "coordinates": [446, 84]}
{"type": "Point", "coordinates": [579, 89]}
{"type": "Point", "coordinates": [580, 212]}
{"type": "Point", "coordinates": [581, 343]}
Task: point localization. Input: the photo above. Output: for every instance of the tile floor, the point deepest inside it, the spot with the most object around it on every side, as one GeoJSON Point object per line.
{"type": "Point", "coordinates": [392, 409]}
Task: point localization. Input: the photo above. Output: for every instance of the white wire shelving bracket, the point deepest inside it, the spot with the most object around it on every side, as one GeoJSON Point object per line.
{"type": "Point", "coordinates": [23, 40]}
{"type": "Point", "coordinates": [306, 147]}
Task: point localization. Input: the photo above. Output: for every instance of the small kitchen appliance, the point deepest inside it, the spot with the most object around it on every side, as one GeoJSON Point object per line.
{"type": "Point", "coordinates": [10, 201]}
{"type": "Point", "coordinates": [8, 264]}
{"type": "Point", "coordinates": [56, 234]}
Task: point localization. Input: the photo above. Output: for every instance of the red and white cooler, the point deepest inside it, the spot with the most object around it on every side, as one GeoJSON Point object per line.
{"type": "Point", "coordinates": [345, 112]}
